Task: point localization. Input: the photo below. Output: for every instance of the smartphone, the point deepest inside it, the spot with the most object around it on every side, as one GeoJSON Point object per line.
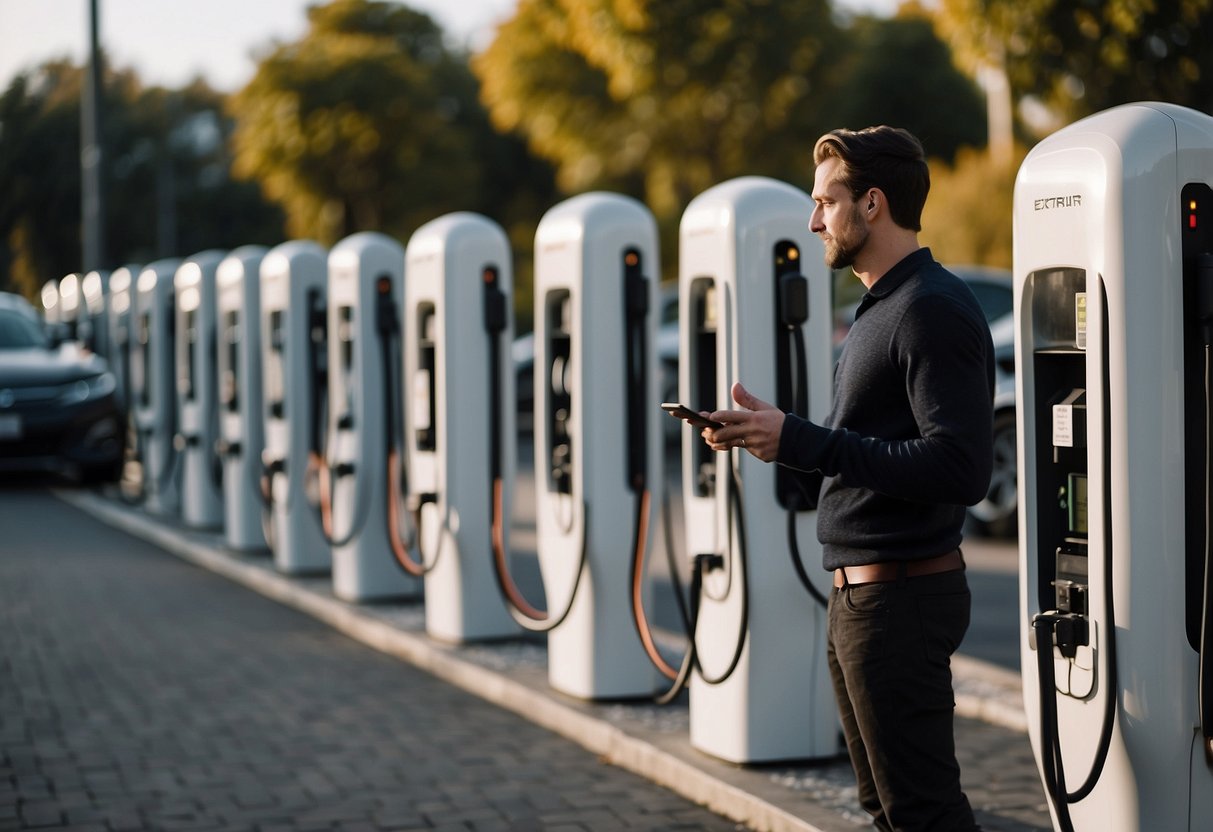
{"type": "Point", "coordinates": [681, 411]}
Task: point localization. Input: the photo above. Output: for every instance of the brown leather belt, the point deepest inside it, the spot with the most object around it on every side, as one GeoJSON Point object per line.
{"type": "Point", "coordinates": [873, 573]}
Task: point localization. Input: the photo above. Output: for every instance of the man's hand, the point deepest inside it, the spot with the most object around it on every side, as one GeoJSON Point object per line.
{"type": "Point", "coordinates": [756, 428]}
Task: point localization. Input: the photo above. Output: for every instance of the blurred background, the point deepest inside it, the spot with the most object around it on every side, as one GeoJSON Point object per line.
{"type": "Point", "coordinates": [225, 123]}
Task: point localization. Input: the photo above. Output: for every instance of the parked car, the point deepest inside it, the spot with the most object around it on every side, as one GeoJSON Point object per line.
{"type": "Point", "coordinates": [997, 514]}
{"type": "Point", "coordinates": [58, 405]}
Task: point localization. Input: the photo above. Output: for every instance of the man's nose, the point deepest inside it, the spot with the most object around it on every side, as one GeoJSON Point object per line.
{"type": "Point", "coordinates": [815, 223]}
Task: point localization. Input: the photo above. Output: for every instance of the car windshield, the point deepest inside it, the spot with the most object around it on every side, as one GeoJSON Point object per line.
{"type": "Point", "coordinates": [19, 332]}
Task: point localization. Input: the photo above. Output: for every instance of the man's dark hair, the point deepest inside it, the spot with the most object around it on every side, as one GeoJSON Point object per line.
{"type": "Point", "coordinates": [888, 158]}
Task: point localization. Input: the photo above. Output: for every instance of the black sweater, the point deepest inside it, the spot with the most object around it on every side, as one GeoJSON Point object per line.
{"type": "Point", "coordinates": [908, 442]}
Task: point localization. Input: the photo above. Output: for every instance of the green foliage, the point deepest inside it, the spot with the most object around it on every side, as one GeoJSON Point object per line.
{"type": "Point", "coordinates": [899, 72]}
{"type": "Point", "coordinates": [967, 218]}
{"type": "Point", "coordinates": [370, 123]}
{"type": "Point", "coordinates": [663, 98]}
{"type": "Point", "coordinates": [1083, 57]}
{"type": "Point", "coordinates": [168, 190]}
{"type": "Point", "coordinates": [333, 126]}
{"type": "Point", "coordinates": [39, 136]}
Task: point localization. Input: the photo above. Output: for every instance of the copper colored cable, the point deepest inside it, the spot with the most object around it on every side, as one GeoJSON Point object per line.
{"type": "Point", "coordinates": [499, 560]}
{"type": "Point", "coordinates": [399, 548]}
{"type": "Point", "coordinates": [642, 621]}
{"type": "Point", "coordinates": [324, 479]}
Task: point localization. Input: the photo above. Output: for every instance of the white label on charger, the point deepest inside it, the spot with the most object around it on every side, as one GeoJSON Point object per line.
{"type": "Point", "coordinates": [1063, 426]}
{"type": "Point", "coordinates": [421, 400]}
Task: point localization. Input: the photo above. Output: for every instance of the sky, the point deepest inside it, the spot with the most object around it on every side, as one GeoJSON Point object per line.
{"type": "Point", "coordinates": [170, 42]}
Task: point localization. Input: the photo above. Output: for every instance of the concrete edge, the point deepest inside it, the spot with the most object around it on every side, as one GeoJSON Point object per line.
{"type": "Point", "coordinates": [989, 693]}
{"type": "Point", "coordinates": [595, 735]}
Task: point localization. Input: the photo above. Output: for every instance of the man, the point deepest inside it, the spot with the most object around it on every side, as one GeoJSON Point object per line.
{"type": "Point", "coordinates": [906, 447]}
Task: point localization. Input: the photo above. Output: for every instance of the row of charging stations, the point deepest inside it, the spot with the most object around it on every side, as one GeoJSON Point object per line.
{"type": "Point", "coordinates": [362, 415]}
{"type": "Point", "coordinates": [1114, 332]}
{"type": "Point", "coordinates": [360, 423]}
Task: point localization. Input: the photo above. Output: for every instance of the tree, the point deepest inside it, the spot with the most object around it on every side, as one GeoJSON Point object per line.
{"type": "Point", "coordinates": [1083, 57]}
{"type": "Point", "coordinates": [967, 218]}
{"type": "Point", "coordinates": [39, 204]}
{"type": "Point", "coordinates": [169, 190]}
{"type": "Point", "coordinates": [664, 98]}
{"type": "Point", "coordinates": [360, 125]}
{"type": "Point", "coordinates": [936, 101]}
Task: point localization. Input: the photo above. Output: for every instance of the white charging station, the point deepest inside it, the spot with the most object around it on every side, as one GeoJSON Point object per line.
{"type": "Point", "coordinates": [294, 280]}
{"type": "Point", "coordinates": [762, 691]}
{"type": "Point", "coordinates": [1113, 229]}
{"type": "Point", "coordinates": [119, 324]}
{"type": "Point", "coordinates": [94, 316]}
{"type": "Point", "coordinates": [153, 386]}
{"type": "Point", "coordinates": [588, 461]}
{"type": "Point", "coordinates": [240, 401]}
{"type": "Point", "coordinates": [51, 312]}
{"type": "Point", "coordinates": [459, 275]}
{"type": "Point", "coordinates": [366, 292]}
{"type": "Point", "coordinates": [70, 305]}
{"type": "Point", "coordinates": [197, 391]}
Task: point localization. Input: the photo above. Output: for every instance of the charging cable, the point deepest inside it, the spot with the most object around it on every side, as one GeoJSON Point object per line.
{"type": "Point", "coordinates": [1204, 294]}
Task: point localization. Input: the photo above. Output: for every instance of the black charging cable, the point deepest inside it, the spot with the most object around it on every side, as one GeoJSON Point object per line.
{"type": "Point", "coordinates": [1204, 294]}
{"type": "Point", "coordinates": [318, 463]}
{"type": "Point", "coordinates": [1067, 631]}
{"type": "Point", "coordinates": [794, 311]}
{"type": "Point", "coordinates": [700, 565]}
{"type": "Point", "coordinates": [387, 328]}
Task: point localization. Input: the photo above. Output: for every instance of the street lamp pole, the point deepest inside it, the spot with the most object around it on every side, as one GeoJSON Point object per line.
{"type": "Point", "coordinates": [92, 155]}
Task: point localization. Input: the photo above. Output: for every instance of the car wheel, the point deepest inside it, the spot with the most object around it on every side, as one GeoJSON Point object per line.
{"type": "Point", "coordinates": [996, 515]}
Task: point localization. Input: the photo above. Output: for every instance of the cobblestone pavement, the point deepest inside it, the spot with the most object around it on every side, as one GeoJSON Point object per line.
{"type": "Point", "coordinates": [138, 692]}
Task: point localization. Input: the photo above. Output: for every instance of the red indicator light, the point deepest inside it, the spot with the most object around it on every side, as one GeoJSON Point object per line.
{"type": "Point", "coordinates": [1191, 221]}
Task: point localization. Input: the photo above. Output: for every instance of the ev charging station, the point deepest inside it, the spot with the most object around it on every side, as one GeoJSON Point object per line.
{"type": "Point", "coordinates": [70, 305]}
{"type": "Point", "coordinates": [748, 313]}
{"type": "Point", "coordinates": [120, 313]}
{"type": "Point", "coordinates": [94, 315]}
{"type": "Point", "coordinates": [240, 402]}
{"type": "Point", "coordinates": [197, 400]}
{"type": "Point", "coordinates": [153, 386]}
{"type": "Point", "coordinates": [597, 435]}
{"type": "Point", "coordinates": [49, 294]}
{"type": "Point", "coordinates": [459, 429]}
{"type": "Point", "coordinates": [366, 288]}
{"type": "Point", "coordinates": [294, 279]}
{"type": "Point", "coordinates": [1113, 279]}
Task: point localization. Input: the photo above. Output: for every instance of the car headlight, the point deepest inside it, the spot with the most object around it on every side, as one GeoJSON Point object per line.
{"type": "Point", "coordinates": [86, 389]}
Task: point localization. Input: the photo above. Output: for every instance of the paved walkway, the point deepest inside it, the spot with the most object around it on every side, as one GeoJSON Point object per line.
{"type": "Point", "coordinates": [140, 692]}
{"type": "Point", "coordinates": [314, 764]}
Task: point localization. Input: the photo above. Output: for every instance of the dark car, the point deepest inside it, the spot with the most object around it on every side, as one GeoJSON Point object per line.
{"type": "Point", "coordinates": [58, 407]}
{"type": "Point", "coordinates": [996, 515]}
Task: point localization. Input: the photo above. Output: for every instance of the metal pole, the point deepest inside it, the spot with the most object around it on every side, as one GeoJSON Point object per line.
{"type": "Point", "coordinates": [92, 155]}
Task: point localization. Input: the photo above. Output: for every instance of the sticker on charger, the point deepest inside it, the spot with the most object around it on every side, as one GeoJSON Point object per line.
{"type": "Point", "coordinates": [1080, 320]}
{"type": "Point", "coordinates": [1063, 420]}
{"type": "Point", "coordinates": [421, 400]}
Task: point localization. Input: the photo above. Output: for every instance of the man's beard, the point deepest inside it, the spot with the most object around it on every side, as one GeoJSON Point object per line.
{"type": "Point", "coordinates": [841, 250]}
